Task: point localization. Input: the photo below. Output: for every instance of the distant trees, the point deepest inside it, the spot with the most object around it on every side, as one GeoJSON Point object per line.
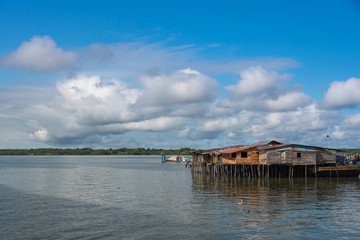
{"type": "Point", "coordinates": [90, 151]}
{"type": "Point", "coordinates": [349, 150]}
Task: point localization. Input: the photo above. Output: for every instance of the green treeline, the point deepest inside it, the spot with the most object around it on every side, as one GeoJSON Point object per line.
{"type": "Point", "coordinates": [90, 151]}
{"type": "Point", "coordinates": [349, 150]}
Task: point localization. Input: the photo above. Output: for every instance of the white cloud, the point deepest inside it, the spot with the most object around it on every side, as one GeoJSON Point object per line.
{"type": "Point", "coordinates": [91, 106]}
{"type": "Point", "coordinates": [118, 99]}
{"type": "Point", "coordinates": [156, 124]}
{"type": "Point", "coordinates": [288, 101]}
{"type": "Point", "coordinates": [184, 86]}
{"type": "Point", "coordinates": [306, 124]}
{"type": "Point", "coordinates": [184, 132]}
{"type": "Point", "coordinates": [345, 132]}
{"type": "Point", "coordinates": [94, 101]}
{"type": "Point", "coordinates": [342, 94]}
{"type": "Point", "coordinates": [41, 134]}
{"type": "Point", "coordinates": [255, 80]}
{"type": "Point", "coordinates": [260, 90]}
{"type": "Point", "coordinates": [353, 121]}
{"type": "Point", "coordinates": [337, 133]}
{"type": "Point", "coordinates": [40, 54]}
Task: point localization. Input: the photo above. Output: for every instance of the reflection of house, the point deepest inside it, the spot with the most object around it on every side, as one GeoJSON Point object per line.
{"type": "Point", "coordinates": [261, 158]}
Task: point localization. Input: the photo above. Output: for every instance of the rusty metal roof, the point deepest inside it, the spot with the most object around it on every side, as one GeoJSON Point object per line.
{"type": "Point", "coordinates": [255, 145]}
{"type": "Point", "coordinates": [214, 150]}
{"type": "Point", "coordinates": [233, 150]}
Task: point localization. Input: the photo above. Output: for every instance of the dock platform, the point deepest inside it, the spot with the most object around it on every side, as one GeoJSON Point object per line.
{"type": "Point", "coordinates": [339, 171]}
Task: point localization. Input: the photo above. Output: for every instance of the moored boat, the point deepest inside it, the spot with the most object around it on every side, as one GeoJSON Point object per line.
{"type": "Point", "coordinates": [173, 159]}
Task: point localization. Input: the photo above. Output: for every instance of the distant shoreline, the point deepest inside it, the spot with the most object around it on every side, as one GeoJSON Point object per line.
{"type": "Point", "coordinates": [110, 151]}
{"type": "Point", "coordinates": [90, 151]}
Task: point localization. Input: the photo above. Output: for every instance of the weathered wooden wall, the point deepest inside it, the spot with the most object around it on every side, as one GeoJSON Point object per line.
{"type": "Point", "coordinates": [325, 156]}
{"type": "Point", "coordinates": [307, 158]}
{"type": "Point", "coordinates": [252, 158]}
{"type": "Point", "coordinates": [227, 159]}
{"type": "Point", "coordinates": [274, 157]}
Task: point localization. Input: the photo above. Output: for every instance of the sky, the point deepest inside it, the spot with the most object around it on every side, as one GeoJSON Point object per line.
{"type": "Point", "coordinates": [172, 74]}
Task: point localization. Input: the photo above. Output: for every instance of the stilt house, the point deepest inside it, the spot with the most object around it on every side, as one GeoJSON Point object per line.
{"type": "Point", "coordinates": [269, 158]}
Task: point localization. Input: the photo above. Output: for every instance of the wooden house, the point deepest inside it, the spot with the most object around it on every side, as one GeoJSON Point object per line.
{"type": "Point", "coordinates": [245, 154]}
{"type": "Point", "coordinates": [296, 154]}
{"type": "Point", "coordinates": [268, 158]}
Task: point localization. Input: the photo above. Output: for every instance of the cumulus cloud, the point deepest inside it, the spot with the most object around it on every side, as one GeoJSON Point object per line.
{"type": "Point", "coordinates": [260, 90]}
{"type": "Point", "coordinates": [306, 124]}
{"type": "Point", "coordinates": [289, 100]}
{"type": "Point", "coordinates": [185, 101]}
{"type": "Point", "coordinates": [41, 134]}
{"type": "Point", "coordinates": [342, 94]}
{"type": "Point", "coordinates": [255, 80]}
{"type": "Point", "coordinates": [155, 124]}
{"type": "Point", "coordinates": [184, 86]}
{"type": "Point", "coordinates": [186, 92]}
{"type": "Point", "coordinates": [94, 101]}
{"type": "Point", "coordinates": [353, 121]}
{"type": "Point", "coordinates": [89, 106]}
{"type": "Point", "coordinates": [40, 54]}
{"type": "Point", "coordinates": [113, 104]}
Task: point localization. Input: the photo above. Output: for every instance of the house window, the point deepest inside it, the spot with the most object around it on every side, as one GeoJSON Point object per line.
{"type": "Point", "coordinates": [298, 155]}
{"type": "Point", "coordinates": [243, 154]}
{"type": "Point", "coordinates": [233, 155]}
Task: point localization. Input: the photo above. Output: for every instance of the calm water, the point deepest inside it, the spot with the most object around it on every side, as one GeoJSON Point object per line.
{"type": "Point", "coordinates": [132, 197]}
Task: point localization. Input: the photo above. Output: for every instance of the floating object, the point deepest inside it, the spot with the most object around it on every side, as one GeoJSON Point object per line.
{"type": "Point", "coordinates": [173, 159]}
{"type": "Point", "coordinates": [188, 164]}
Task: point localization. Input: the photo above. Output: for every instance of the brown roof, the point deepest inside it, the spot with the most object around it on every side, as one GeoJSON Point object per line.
{"type": "Point", "coordinates": [255, 145]}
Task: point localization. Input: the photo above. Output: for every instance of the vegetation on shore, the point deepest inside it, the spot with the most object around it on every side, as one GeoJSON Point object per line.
{"type": "Point", "coordinates": [120, 151]}
{"type": "Point", "coordinates": [90, 151]}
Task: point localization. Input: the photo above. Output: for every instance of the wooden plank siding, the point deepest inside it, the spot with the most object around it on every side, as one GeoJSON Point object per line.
{"type": "Point", "coordinates": [251, 158]}
{"type": "Point", "coordinates": [326, 156]}
{"type": "Point", "coordinates": [288, 157]}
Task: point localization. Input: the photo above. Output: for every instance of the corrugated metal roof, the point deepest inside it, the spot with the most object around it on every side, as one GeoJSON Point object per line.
{"type": "Point", "coordinates": [255, 145]}
{"type": "Point", "coordinates": [294, 145]}
{"type": "Point", "coordinates": [214, 150]}
{"type": "Point", "coordinates": [233, 150]}
{"type": "Point", "coordinates": [276, 146]}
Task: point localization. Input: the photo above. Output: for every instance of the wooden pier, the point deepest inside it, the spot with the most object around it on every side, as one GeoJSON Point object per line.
{"type": "Point", "coordinates": [256, 171]}
{"type": "Point", "coordinates": [339, 171]}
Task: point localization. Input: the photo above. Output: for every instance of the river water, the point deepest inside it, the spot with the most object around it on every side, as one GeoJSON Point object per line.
{"type": "Point", "coordinates": [138, 197]}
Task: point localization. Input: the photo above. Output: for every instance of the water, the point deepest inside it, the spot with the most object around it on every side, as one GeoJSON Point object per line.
{"type": "Point", "coordinates": [138, 197]}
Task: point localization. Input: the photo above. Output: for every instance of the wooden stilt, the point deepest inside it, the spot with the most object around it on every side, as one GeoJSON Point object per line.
{"type": "Point", "coordinates": [280, 172]}
{"type": "Point", "coordinates": [289, 171]}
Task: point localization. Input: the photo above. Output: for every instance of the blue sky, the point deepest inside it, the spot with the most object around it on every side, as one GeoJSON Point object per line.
{"type": "Point", "coordinates": [172, 74]}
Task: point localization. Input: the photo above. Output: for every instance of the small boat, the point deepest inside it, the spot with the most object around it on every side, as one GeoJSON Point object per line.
{"type": "Point", "coordinates": [173, 159]}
